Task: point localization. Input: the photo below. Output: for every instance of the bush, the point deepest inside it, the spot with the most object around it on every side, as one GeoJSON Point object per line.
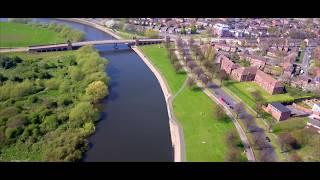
{"type": "Point", "coordinates": [96, 91]}
{"type": "Point", "coordinates": [13, 133]}
{"type": "Point", "coordinates": [52, 84]}
{"type": "Point", "coordinates": [49, 124]}
{"type": "Point", "coordinates": [16, 121]}
{"type": "Point", "coordinates": [83, 112]}
{"type": "Point", "coordinates": [76, 74]}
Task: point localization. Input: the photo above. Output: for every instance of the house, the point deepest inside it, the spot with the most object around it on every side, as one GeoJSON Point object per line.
{"type": "Point", "coordinates": [257, 61]}
{"type": "Point", "coordinates": [278, 111]}
{"type": "Point", "coordinates": [224, 47]}
{"type": "Point", "coordinates": [268, 83]}
{"type": "Point", "coordinates": [244, 73]}
{"type": "Point", "coordinates": [228, 65]}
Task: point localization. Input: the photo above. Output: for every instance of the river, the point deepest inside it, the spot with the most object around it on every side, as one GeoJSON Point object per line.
{"type": "Point", "coordinates": [134, 123]}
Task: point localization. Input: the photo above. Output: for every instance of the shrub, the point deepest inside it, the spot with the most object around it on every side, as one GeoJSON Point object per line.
{"type": "Point", "coordinates": [49, 124]}
{"type": "Point", "coordinates": [16, 121]}
{"type": "Point", "coordinates": [83, 112]}
{"type": "Point", "coordinates": [52, 84]}
{"type": "Point", "coordinates": [96, 91]}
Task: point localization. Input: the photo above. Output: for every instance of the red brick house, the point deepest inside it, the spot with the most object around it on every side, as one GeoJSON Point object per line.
{"type": "Point", "coordinates": [224, 47]}
{"type": "Point", "coordinates": [244, 73]}
{"type": "Point", "coordinates": [278, 111]}
{"type": "Point", "coordinates": [256, 61]}
{"type": "Point", "coordinates": [228, 65]}
{"type": "Point", "coordinates": [268, 83]}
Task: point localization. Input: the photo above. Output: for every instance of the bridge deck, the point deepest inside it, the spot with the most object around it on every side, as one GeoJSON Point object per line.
{"type": "Point", "coordinates": [96, 43]}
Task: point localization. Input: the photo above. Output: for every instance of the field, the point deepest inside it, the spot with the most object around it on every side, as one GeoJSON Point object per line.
{"type": "Point", "coordinates": [127, 35]}
{"type": "Point", "coordinates": [308, 139]}
{"type": "Point", "coordinates": [159, 57]}
{"type": "Point", "coordinates": [204, 134]}
{"type": "Point", "coordinates": [22, 35]}
{"type": "Point", "coordinates": [243, 91]}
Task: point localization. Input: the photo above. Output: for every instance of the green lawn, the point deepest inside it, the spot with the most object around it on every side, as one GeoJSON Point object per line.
{"type": "Point", "coordinates": [159, 57]}
{"type": "Point", "coordinates": [21, 35]}
{"type": "Point", "coordinates": [290, 124]}
{"type": "Point", "coordinates": [127, 35]}
{"type": "Point", "coordinates": [243, 91]}
{"type": "Point", "coordinates": [204, 134]}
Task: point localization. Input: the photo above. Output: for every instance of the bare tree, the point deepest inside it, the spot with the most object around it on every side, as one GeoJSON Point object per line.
{"type": "Point", "coordinates": [219, 113]}
{"type": "Point", "coordinates": [177, 66]}
{"type": "Point", "coordinates": [204, 78]}
{"type": "Point", "coordinates": [191, 82]}
{"type": "Point", "coordinates": [222, 76]}
{"type": "Point", "coordinates": [239, 108]}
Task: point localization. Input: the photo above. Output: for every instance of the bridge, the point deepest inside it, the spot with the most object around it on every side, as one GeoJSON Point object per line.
{"type": "Point", "coordinates": [76, 45]}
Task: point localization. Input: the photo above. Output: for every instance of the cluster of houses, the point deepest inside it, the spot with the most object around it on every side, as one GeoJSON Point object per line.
{"type": "Point", "coordinates": [251, 73]}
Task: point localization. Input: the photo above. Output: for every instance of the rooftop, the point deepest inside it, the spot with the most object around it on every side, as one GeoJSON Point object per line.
{"type": "Point", "coordinates": [280, 107]}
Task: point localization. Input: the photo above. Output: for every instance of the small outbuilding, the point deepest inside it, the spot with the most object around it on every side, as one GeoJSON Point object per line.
{"type": "Point", "coordinates": [279, 111]}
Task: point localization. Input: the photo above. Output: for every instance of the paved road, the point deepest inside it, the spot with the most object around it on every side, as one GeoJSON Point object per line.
{"type": "Point", "coordinates": [305, 60]}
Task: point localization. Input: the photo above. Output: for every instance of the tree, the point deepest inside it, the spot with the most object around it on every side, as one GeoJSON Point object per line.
{"type": "Point", "coordinates": [177, 67]}
{"type": "Point", "coordinates": [239, 108]}
{"type": "Point", "coordinates": [257, 96]}
{"type": "Point", "coordinates": [191, 42]}
{"type": "Point", "coordinates": [96, 90]}
{"type": "Point", "coordinates": [83, 112]}
{"type": "Point", "coordinates": [191, 82]}
{"type": "Point", "coordinates": [204, 78]}
{"type": "Point", "coordinates": [288, 142]}
{"type": "Point", "coordinates": [222, 76]}
{"type": "Point", "coordinates": [219, 113]}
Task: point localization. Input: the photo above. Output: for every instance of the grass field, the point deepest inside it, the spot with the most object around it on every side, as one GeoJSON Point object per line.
{"type": "Point", "coordinates": [160, 59]}
{"type": "Point", "coordinates": [243, 91]}
{"type": "Point", "coordinates": [204, 134]}
{"type": "Point", "coordinates": [127, 35]}
{"type": "Point", "coordinates": [309, 140]}
{"type": "Point", "coordinates": [22, 35]}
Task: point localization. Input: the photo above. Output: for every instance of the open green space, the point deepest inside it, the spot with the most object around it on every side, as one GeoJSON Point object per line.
{"type": "Point", "coordinates": [204, 134]}
{"type": "Point", "coordinates": [307, 138]}
{"type": "Point", "coordinates": [47, 103]}
{"type": "Point", "coordinates": [159, 57]}
{"type": "Point", "coordinates": [244, 89]}
{"type": "Point", "coordinates": [21, 35]}
{"type": "Point", "coordinates": [127, 35]}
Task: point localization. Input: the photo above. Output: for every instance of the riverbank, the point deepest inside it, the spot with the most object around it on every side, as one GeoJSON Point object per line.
{"type": "Point", "coordinates": [176, 133]}
{"type": "Point", "coordinates": [175, 128]}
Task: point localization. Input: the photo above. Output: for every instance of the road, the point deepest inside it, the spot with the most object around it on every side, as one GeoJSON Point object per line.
{"type": "Point", "coordinates": [217, 94]}
{"type": "Point", "coordinates": [305, 60]}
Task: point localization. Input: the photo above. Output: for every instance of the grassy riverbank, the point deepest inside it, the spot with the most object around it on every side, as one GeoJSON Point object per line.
{"type": "Point", "coordinates": [204, 134]}
{"type": "Point", "coordinates": [21, 35]}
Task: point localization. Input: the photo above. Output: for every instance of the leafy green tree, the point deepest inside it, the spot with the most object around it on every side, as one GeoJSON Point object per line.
{"type": "Point", "coordinates": [49, 124]}
{"type": "Point", "coordinates": [96, 91]}
{"type": "Point", "coordinates": [83, 112]}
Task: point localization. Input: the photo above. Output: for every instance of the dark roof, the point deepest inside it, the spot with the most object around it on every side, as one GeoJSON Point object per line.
{"type": "Point", "coordinates": [280, 107]}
